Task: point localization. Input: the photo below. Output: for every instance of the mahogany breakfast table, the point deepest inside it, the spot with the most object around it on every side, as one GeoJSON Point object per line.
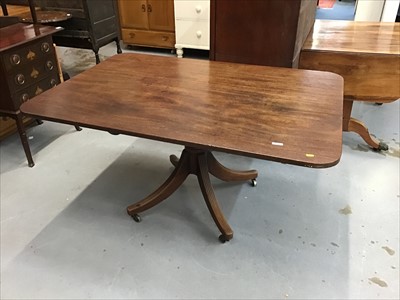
{"type": "Point", "coordinates": [279, 114]}
{"type": "Point", "coordinates": [367, 55]}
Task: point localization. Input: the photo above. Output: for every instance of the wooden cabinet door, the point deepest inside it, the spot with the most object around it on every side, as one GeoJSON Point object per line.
{"type": "Point", "coordinates": [261, 32]}
{"type": "Point", "coordinates": [161, 15]}
{"type": "Point", "coordinates": [133, 13]}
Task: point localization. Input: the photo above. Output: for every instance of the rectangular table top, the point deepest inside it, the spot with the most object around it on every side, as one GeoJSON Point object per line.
{"type": "Point", "coordinates": [288, 115]}
{"type": "Point", "coordinates": [357, 37]}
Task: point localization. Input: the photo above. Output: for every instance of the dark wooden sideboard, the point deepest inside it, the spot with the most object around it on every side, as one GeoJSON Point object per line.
{"type": "Point", "coordinates": [260, 32]}
{"type": "Point", "coordinates": [91, 24]}
{"type": "Point", "coordinates": [28, 67]}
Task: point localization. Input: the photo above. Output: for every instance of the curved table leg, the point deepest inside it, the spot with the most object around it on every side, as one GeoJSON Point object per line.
{"type": "Point", "coordinates": [225, 174]}
{"type": "Point", "coordinates": [174, 160]}
{"type": "Point", "coordinates": [354, 125]}
{"type": "Point", "coordinates": [359, 127]}
{"type": "Point", "coordinates": [211, 201]}
{"type": "Point", "coordinates": [221, 172]}
{"type": "Point", "coordinates": [199, 163]}
{"type": "Point", "coordinates": [177, 177]}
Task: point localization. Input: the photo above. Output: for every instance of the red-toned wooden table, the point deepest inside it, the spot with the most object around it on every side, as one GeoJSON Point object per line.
{"type": "Point", "coordinates": [367, 55]}
{"type": "Point", "coordinates": [286, 115]}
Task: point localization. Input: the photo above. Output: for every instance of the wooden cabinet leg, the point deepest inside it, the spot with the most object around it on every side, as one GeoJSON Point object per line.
{"type": "Point", "coordinates": [179, 51]}
{"type": "Point", "coordinates": [119, 51]}
{"type": "Point", "coordinates": [96, 54]}
{"type": "Point", "coordinates": [24, 139]}
{"type": "Point", "coordinates": [4, 7]}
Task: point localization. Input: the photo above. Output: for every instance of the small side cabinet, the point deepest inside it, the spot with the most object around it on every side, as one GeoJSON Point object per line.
{"type": "Point", "coordinates": [192, 25]}
{"type": "Point", "coordinates": [28, 67]}
{"type": "Point", "coordinates": [147, 23]}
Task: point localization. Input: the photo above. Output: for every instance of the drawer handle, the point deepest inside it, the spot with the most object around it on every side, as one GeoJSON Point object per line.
{"type": "Point", "coordinates": [20, 79]}
{"type": "Point", "coordinates": [49, 65]}
{"type": "Point", "coordinates": [198, 9]}
{"type": "Point", "coordinates": [45, 47]}
{"type": "Point", "coordinates": [198, 33]}
{"type": "Point", "coordinates": [165, 38]}
{"type": "Point", "coordinates": [34, 73]}
{"type": "Point", "coordinates": [132, 35]}
{"type": "Point", "coordinates": [53, 82]}
{"type": "Point", "coordinates": [31, 55]}
{"type": "Point", "coordinates": [15, 59]}
{"type": "Point", "coordinates": [24, 97]}
{"type": "Point", "coordinates": [38, 91]}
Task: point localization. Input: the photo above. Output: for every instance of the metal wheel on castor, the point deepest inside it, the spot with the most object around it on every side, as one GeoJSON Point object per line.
{"type": "Point", "coordinates": [253, 182]}
{"type": "Point", "coordinates": [136, 218]}
{"type": "Point", "coordinates": [222, 238]}
{"type": "Point", "coordinates": [383, 146]}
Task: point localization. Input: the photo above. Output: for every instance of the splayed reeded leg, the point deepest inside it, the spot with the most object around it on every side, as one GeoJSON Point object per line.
{"type": "Point", "coordinates": [177, 177]}
{"type": "Point", "coordinates": [211, 200]}
{"type": "Point", "coordinates": [225, 174]}
{"type": "Point", "coordinates": [199, 163]}
{"type": "Point", "coordinates": [354, 125]}
{"type": "Point", "coordinates": [221, 172]}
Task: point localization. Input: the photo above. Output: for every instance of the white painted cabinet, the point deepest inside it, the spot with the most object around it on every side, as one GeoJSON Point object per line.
{"type": "Point", "coordinates": [192, 25]}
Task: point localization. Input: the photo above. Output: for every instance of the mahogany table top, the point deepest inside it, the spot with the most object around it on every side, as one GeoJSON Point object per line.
{"type": "Point", "coordinates": [287, 115]}
{"type": "Point", "coordinates": [365, 54]}
{"type": "Point", "coordinates": [358, 37]}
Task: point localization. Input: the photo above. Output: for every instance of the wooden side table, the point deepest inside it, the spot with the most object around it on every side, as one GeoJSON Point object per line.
{"type": "Point", "coordinates": [366, 55]}
{"type": "Point", "coordinates": [28, 67]}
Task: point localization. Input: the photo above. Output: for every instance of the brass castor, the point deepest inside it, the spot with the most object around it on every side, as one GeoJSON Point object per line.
{"type": "Point", "coordinates": [223, 238]}
{"type": "Point", "coordinates": [382, 146]}
{"type": "Point", "coordinates": [136, 218]}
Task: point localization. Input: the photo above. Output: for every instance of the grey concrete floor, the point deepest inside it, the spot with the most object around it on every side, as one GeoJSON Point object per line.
{"type": "Point", "coordinates": [300, 234]}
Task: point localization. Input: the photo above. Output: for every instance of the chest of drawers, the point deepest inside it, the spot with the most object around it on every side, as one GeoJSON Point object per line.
{"type": "Point", "coordinates": [192, 25]}
{"type": "Point", "coordinates": [28, 67]}
{"type": "Point", "coordinates": [28, 64]}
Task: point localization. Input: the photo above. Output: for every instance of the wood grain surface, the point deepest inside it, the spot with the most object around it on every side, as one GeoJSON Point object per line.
{"type": "Point", "coordinates": [356, 37]}
{"type": "Point", "coordinates": [287, 115]}
{"type": "Point", "coordinates": [20, 33]}
{"type": "Point", "coordinates": [366, 54]}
